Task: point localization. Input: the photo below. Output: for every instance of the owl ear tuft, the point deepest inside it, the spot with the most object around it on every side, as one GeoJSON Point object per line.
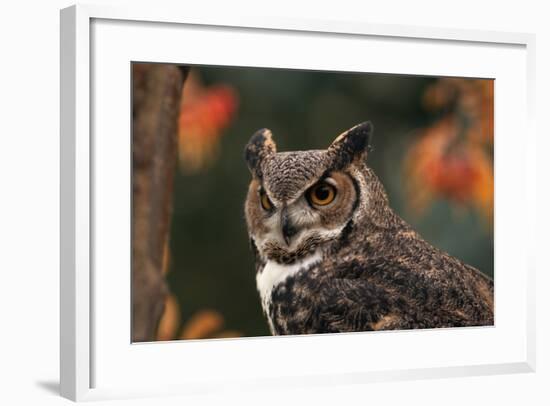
{"type": "Point", "coordinates": [260, 146]}
{"type": "Point", "coordinates": [352, 144]}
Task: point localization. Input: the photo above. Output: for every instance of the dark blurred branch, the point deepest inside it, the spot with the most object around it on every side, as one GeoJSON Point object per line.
{"type": "Point", "coordinates": [156, 100]}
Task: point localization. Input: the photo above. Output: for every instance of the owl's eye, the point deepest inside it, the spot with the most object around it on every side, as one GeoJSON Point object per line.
{"type": "Point", "coordinates": [322, 194]}
{"type": "Point", "coordinates": [264, 201]}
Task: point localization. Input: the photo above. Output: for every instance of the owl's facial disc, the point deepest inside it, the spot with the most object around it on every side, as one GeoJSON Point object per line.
{"type": "Point", "coordinates": [287, 230]}
{"type": "Point", "coordinates": [300, 201]}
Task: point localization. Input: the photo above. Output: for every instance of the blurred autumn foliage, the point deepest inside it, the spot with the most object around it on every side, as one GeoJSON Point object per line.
{"type": "Point", "coordinates": [453, 158]}
{"type": "Point", "coordinates": [205, 112]}
{"type": "Point", "coordinates": [205, 323]}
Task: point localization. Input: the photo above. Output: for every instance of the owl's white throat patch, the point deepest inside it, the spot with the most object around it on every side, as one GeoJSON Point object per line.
{"type": "Point", "coordinates": [274, 273]}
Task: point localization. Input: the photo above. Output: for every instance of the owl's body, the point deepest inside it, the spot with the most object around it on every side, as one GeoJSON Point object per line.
{"type": "Point", "coordinates": [332, 256]}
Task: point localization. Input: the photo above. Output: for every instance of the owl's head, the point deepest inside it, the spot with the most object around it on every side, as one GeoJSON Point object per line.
{"type": "Point", "coordinates": [300, 201]}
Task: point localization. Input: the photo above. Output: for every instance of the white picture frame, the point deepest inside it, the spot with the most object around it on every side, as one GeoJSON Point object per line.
{"type": "Point", "coordinates": [91, 366]}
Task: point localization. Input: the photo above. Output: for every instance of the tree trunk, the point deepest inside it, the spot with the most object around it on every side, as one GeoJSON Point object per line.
{"type": "Point", "coordinates": [157, 90]}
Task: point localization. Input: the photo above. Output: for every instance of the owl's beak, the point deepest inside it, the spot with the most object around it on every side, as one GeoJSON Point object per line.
{"type": "Point", "coordinates": [287, 228]}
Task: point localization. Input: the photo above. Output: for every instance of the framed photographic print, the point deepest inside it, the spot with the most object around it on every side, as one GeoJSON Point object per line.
{"type": "Point", "coordinates": [271, 202]}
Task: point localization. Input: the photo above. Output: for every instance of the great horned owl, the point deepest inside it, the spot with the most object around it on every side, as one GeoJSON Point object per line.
{"type": "Point", "coordinates": [332, 256]}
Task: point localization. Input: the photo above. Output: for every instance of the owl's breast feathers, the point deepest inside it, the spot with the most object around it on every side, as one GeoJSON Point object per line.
{"type": "Point", "coordinates": [396, 281]}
